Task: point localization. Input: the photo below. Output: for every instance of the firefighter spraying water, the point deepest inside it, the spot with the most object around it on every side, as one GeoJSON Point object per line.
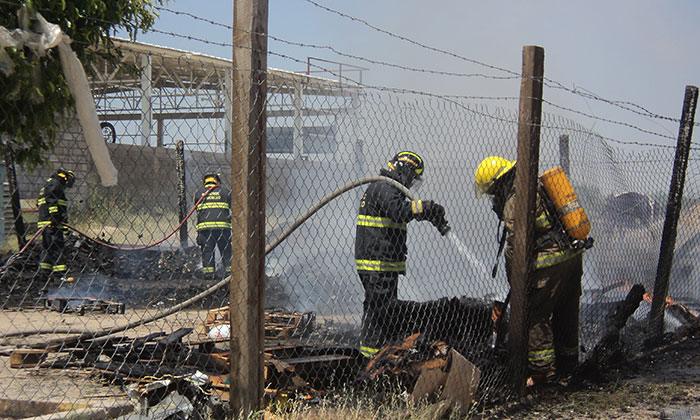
{"type": "Point", "coordinates": [380, 244]}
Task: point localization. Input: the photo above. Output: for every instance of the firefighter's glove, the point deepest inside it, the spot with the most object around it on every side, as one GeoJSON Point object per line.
{"type": "Point", "coordinates": [435, 213]}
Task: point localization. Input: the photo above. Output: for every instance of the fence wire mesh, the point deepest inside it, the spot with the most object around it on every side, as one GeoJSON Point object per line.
{"type": "Point", "coordinates": [63, 336]}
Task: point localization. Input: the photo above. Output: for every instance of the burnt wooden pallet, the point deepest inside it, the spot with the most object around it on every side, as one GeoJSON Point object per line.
{"type": "Point", "coordinates": [278, 325]}
{"type": "Point", "coordinates": [23, 358]}
{"type": "Point", "coordinates": [81, 305]}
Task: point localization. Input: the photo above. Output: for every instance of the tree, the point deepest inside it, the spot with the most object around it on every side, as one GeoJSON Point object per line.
{"type": "Point", "coordinates": [35, 102]}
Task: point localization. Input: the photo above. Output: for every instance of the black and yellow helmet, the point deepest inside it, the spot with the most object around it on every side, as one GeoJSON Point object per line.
{"type": "Point", "coordinates": [212, 177]}
{"type": "Point", "coordinates": [67, 176]}
{"type": "Point", "coordinates": [408, 166]}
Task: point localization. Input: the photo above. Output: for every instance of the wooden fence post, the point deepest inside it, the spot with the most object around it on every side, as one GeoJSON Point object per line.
{"type": "Point", "coordinates": [20, 229]}
{"type": "Point", "coordinates": [564, 154]}
{"type": "Point", "coordinates": [673, 210]}
{"type": "Point", "coordinates": [247, 290]}
{"type": "Point", "coordinates": [181, 191]}
{"type": "Point", "coordinates": [529, 119]}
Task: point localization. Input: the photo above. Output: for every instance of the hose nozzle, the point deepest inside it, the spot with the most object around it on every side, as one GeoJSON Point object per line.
{"type": "Point", "coordinates": [443, 228]}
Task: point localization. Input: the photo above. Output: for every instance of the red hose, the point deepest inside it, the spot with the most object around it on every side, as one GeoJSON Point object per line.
{"type": "Point", "coordinates": [14, 257]}
{"type": "Point", "coordinates": [139, 248]}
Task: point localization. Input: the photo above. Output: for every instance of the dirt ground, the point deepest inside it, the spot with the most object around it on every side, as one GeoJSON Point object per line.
{"type": "Point", "coordinates": [73, 386]}
{"type": "Point", "coordinates": [659, 384]}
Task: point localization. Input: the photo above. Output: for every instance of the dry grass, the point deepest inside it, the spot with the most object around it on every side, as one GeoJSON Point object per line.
{"type": "Point", "coordinates": [362, 410]}
{"type": "Point", "coordinates": [354, 405]}
{"type": "Point", "coordinates": [134, 228]}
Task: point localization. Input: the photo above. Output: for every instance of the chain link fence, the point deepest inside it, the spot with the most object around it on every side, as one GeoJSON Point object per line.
{"type": "Point", "coordinates": [64, 341]}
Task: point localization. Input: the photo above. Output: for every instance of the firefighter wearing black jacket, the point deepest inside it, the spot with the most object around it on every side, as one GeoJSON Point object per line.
{"type": "Point", "coordinates": [214, 224]}
{"type": "Point", "coordinates": [380, 244]}
{"type": "Point", "coordinates": [53, 212]}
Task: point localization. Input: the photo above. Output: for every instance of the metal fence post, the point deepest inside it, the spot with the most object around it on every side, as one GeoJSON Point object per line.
{"type": "Point", "coordinates": [673, 210]}
{"type": "Point", "coordinates": [529, 119]}
{"type": "Point", "coordinates": [2, 203]}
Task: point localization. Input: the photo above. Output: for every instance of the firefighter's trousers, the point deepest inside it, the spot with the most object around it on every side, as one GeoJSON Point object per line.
{"type": "Point", "coordinates": [381, 291]}
{"type": "Point", "coordinates": [208, 240]}
{"type": "Point", "coordinates": [554, 318]}
{"type": "Point", "coordinates": [52, 260]}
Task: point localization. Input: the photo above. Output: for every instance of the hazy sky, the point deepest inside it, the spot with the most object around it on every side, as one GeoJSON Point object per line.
{"type": "Point", "coordinates": [641, 52]}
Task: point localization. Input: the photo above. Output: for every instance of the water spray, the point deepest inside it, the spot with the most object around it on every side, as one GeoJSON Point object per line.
{"type": "Point", "coordinates": [471, 258]}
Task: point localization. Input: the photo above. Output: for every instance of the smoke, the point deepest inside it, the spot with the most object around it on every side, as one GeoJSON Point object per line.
{"type": "Point", "coordinates": [86, 286]}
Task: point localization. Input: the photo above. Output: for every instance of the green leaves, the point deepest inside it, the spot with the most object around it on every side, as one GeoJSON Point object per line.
{"type": "Point", "coordinates": [35, 102]}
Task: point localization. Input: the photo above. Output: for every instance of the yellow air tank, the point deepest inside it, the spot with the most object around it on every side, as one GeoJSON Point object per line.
{"type": "Point", "coordinates": [565, 200]}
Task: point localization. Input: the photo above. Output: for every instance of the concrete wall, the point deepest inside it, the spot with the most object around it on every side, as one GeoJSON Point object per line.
{"type": "Point", "coordinates": [147, 176]}
{"type": "Point", "coordinates": [146, 173]}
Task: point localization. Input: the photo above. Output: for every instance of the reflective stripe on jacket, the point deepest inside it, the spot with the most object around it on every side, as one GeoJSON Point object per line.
{"type": "Point", "coordinates": [214, 212]}
{"type": "Point", "coordinates": [52, 203]}
{"type": "Point", "coordinates": [380, 241]}
{"type": "Point", "coordinates": [376, 265]}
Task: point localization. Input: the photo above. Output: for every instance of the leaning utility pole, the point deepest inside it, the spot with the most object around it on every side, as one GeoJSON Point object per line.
{"type": "Point", "coordinates": [248, 204]}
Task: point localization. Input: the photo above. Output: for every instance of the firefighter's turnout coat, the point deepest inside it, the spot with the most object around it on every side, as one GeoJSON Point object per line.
{"type": "Point", "coordinates": [214, 212]}
{"type": "Point", "coordinates": [554, 295]}
{"type": "Point", "coordinates": [380, 243]}
{"type": "Point", "coordinates": [548, 251]}
{"type": "Point", "coordinates": [380, 256]}
{"type": "Point", "coordinates": [53, 212]}
{"type": "Point", "coordinates": [214, 225]}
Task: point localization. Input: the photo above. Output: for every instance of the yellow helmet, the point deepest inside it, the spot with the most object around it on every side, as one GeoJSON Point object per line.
{"type": "Point", "coordinates": [488, 171]}
{"type": "Point", "coordinates": [212, 178]}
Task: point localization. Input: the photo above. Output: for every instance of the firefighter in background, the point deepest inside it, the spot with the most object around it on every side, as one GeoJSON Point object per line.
{"type": "Point", "coordinates": [554, 294]}
{"type": "Point", "coordinates": [214, 224]}
{"type": "Point", "coordinates": [53, 213]}
{"type": "Point", "coordinates": [380, 244]}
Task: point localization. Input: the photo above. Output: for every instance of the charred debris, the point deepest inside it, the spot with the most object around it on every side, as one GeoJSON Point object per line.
{"type": "Point", "coordinates": [449, 348]}
{"type": "Point", "coordinates": [299, 363]}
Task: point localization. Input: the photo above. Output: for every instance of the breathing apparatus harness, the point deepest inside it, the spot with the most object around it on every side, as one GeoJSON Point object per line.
{"type": "Point", "coordinates": [558, 233]}
{"type": "Point", "coordinates": [502, 189]}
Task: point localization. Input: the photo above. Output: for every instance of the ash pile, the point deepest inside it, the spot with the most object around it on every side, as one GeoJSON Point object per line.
{"type": "Point", "coordinates": [616, 331]}
{"type": "Point", "coordinates": [145, 278]}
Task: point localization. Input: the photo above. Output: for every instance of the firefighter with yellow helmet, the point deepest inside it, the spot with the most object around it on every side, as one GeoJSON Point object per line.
{"type": "Point", "coordinates": [553, 299]}
{"type": "Point", "coordinates": [53, 213]}
{"type": "Point", "coordinates": [380, 244]}
{"type": "Point", "coordinates": [214, 224]}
